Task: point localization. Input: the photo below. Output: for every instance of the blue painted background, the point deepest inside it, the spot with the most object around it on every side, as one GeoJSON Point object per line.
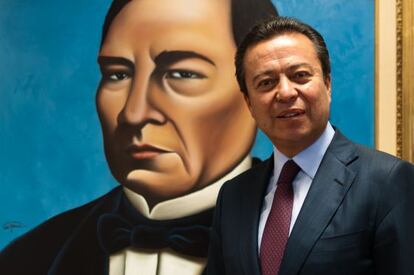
{"type": "Point", "coordinates": [51, 153]}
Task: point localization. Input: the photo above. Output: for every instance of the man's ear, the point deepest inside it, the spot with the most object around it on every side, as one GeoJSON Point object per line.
{"type": "Point", "coordinates": [247, 100]}
{"type": "Point", "coordinates": [327, 81]}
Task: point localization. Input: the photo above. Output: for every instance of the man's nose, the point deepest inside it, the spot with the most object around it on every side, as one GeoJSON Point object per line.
{"type": "Point", "coordinates": [140, 107]}
{"type": "Point", "coordinates": [286, 91]}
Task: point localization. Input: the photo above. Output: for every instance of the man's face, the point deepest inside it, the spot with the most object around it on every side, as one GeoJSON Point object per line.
{"type": "Point", "coordinates": [287, 93]}
{"type": "Point", "coordinates": [172, 115]}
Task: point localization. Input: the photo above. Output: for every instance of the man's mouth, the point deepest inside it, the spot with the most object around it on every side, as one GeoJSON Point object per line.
{"type": "Point", "coordinates": [290, 113]}
{"type": "Point", "coordinates": [144, 151]}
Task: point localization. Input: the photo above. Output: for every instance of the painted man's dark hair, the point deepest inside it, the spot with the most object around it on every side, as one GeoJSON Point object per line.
{"type": "Point", "coordinates": [244, 15]}
{"type": "Point", "coordinates": [274, 27]}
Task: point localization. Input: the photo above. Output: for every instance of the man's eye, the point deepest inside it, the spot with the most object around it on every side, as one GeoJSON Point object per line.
{"type": "Point", "coordinates": [181, 74]}
{"type": "Point", "coordinates": [266, 83]}
{"type": "Point", "coordinates": [301, 75]}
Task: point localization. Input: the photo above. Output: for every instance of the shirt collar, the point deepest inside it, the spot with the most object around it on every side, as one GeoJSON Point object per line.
{"type": "Point", "coordinates": [179, 207]}
{"type": "Point", "coordinates": [310, 158]}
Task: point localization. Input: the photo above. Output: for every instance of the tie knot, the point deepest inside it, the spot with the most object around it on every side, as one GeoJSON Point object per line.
{"type": "Point", "coordinates": [289, 172]}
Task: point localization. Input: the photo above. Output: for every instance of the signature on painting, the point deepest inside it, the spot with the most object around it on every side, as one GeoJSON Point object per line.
{"type": "Point", "coordinates": [11, 225]}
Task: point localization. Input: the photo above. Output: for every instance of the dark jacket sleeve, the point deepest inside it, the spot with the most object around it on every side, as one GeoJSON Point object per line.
{"type": "Point", "coordinates": [394, 236]}
{"type": "Point", "coordinates": [215, 263]}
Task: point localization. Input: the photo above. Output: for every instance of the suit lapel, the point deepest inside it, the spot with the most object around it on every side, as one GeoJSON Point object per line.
{"type": "Point", "coordinates": [250, 208]}
{"type": "Point", "coordinates": [327, 192]}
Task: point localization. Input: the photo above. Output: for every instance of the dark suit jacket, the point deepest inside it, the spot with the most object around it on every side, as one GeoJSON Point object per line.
{"type": "Point", "coordinates": [69, 242]}
{"type": "Point", "coordinates": [65, 244]}
{"type": "Point", "coordinates": [356, 219]}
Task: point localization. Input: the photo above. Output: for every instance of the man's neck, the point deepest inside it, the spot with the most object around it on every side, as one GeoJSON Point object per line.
{"type": "Point", "coordinates": [291, 149]}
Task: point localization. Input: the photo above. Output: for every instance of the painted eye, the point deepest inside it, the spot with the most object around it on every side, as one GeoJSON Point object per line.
{"type": "Point", "coordinates": [182, 74]}
{"type": "Point", "coordinates": [117, 76]}
{"type": "Point", "coordinates": [187, 82]}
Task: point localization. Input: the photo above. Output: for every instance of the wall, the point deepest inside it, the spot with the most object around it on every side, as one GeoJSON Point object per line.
{"type": "Point", "coordinates": [51, 154]}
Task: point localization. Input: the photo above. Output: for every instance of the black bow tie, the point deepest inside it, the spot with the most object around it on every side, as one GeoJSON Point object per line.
{"type": "Point", "coordinates": [188, 235]}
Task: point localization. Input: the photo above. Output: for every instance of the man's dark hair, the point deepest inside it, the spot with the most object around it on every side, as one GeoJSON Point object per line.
{"type": "Point", "coordinates": [274, 27]}
{"type": "Point", "coordinates": [244, 15]}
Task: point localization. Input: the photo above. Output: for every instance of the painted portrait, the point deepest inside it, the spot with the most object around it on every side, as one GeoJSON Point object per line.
{"type": "Point", "coordinates": [125, 116]}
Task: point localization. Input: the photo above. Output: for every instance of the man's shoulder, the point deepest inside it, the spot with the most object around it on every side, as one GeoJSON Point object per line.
{"type": "Point", "coordinates": [40, 245]}
{"type": "Point", "coordinates": [341, 146]}
{"type": "Point", "coordinates": [378, 169]}
{"type": "Point", "coordinates": [249, 178]}
{"type": "Point", "coordinates": [374, 158]}
{"type": "Point", "coordinates": [382, 167]}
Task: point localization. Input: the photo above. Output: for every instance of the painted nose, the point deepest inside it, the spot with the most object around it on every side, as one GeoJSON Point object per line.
{"type": "Point", "coordinates": [140, 108]}
{"type": "Point", "coordinates": [286, 91]}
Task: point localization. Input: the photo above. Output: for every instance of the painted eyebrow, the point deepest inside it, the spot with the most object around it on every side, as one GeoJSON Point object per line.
{"type": "Point", "coordinates": [115, 60]}
{"type": "Point", "coordinates": [167, 58]}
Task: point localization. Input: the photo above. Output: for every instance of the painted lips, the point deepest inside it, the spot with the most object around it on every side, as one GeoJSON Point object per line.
{"type": "Point", "coordinates": [144, 151]}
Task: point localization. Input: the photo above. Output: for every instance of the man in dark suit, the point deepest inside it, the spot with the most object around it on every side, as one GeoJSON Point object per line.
{"type": "Point", "coordinates": [171, 112]}
{"type": "Point", "coordinates": [320, 204]}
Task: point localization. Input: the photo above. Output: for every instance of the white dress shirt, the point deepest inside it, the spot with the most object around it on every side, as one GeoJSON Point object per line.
{"type": "Point", "coordinates": [308, 160]}
{"type": "Point", "coordinates": [131, 261]}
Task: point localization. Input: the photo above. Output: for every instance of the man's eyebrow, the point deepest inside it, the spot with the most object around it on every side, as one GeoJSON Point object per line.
{"type": "Point", "coordinates": [115, 60]}
{"type": "Point", "coordinates": [297, 66]}
{"type": "Point", "coordinates": [166, 58]}
{"type": "Point", "coordinates": [260, 74]}
{"type": "Point", "coordinates": [289, 69]}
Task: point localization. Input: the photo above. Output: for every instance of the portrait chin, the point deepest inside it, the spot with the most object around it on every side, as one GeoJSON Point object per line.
{"type": "Point", "coordinates": [156, 165]}
{"type": "Point", "coordinates": [162, 178]}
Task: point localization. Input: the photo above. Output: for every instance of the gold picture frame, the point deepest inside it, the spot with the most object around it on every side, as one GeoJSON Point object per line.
{"type": "Point", "coordinates": [405, 79]}
{"type": "Point", "coordinates": [394, 77]}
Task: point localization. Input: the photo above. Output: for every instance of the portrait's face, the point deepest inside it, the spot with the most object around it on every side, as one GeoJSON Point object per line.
{"type": "Point", "coordinates": [287, 93]}
{"type": "Point", "coordinates": [172, 115]}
